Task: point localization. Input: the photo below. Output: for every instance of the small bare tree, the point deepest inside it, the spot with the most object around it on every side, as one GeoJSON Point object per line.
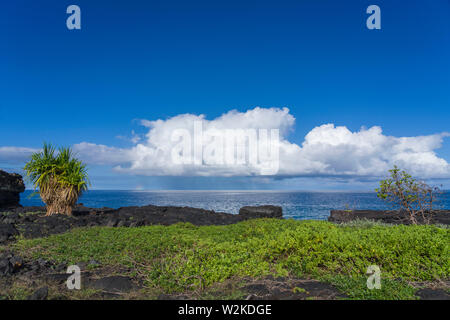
{"type": "Point", "coordinates": [408, 194]}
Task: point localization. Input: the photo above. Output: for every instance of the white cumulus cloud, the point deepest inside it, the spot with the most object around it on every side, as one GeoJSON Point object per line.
{"type": "Point", "coordinates": [327, 150]}
{"type": "Point", "coordinates": [368, 152]}
{"type": "Point", "coordinates": [15, 154]}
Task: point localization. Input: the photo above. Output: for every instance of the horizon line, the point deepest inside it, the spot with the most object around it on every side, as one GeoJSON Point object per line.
{"type": "Point", "coordinates": [231, 190]}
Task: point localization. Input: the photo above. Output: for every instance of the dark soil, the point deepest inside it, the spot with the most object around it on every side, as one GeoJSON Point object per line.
{"type": "Point", "coordinates": [433, 294]}
{"type": "Point", "coordinates": [45, 280]}
{"type": "Point", "coordinates": [290, 289]}
{"type": "Point", "coordinates": [269, 288]}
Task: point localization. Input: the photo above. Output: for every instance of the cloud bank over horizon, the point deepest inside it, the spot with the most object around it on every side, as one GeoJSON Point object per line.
{"type": "Point", "coordinates": [326, 151]}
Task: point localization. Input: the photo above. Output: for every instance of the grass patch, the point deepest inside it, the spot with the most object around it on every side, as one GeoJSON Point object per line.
{"type": "Point", "coordinates": [15, 292]}
{"type": "Point", "coordinates": [185, 257]}
{"type": "Point", "coordinates": [356, 288]}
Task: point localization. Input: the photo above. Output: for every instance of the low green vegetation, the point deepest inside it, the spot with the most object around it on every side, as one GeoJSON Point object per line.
{"type": "Point", "coordinates": [356, 288]}
{"type": "Point", "coordinates": [184, 257]}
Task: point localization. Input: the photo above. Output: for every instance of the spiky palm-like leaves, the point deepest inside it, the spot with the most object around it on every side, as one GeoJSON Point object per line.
{"type": "Point", "coordinates": [59, 176]}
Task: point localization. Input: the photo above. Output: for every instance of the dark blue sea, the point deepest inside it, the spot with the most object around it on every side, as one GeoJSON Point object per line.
{"type": "Point", "coordinates": [297, 205]}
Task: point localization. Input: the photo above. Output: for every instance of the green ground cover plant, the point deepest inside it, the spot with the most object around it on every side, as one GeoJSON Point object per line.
{"type": "Point", "coordinates": [184, 257]}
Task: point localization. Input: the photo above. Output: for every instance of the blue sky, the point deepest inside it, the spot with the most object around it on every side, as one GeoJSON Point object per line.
{"type": "Point", "coordinates": [158, 59]}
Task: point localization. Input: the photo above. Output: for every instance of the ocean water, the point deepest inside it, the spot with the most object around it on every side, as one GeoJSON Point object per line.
{"type": "Point", "coordinates": [297, 205]}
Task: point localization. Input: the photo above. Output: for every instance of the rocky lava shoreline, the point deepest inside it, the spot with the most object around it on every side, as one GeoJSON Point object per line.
{"type": "Point", "coordinates": [386, 216]}
{"type": "Point", "coordinates": [30, 222]}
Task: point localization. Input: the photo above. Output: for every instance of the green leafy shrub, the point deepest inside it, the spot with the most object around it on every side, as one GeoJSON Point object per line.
{"type": "Point", "coordinates": [183, 257]}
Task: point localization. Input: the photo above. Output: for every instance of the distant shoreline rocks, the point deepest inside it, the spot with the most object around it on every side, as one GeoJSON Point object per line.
{"type": "Point", "coordinates": [385, 216]}
{"type": "Point", "coordinates": [267, 211]}
{"type": "Point", "coordinates": [31, 222]}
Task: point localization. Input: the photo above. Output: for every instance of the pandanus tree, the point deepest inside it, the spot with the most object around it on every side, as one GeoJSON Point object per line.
{"type": "Point", "coordinates": [58, 177]}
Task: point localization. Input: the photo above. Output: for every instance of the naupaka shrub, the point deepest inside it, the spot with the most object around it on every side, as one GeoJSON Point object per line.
{"type": "Point", "coordinates": [183, 256]}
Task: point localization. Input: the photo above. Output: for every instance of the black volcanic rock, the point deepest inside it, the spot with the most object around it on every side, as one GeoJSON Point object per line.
{"type": "Point", "coordinates": [261, 212]}
{"type": "Point", "coordinates": [433, 294]}
{"type": "Point", "coordinates": [113, 284]}
{"type": "Point", "coordinates": [31, 222]}
{"type": "Point", "coordinates": [11, 185]}
{"type": "Point", "coordinates": [7, 232]}
{"type": "Point", "coordinates": [386, 216]}
{"type": "Point", "coordinates": [40, 294]}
